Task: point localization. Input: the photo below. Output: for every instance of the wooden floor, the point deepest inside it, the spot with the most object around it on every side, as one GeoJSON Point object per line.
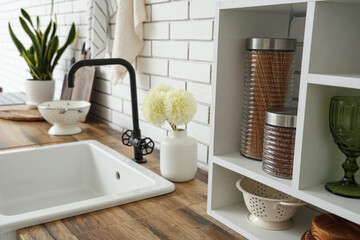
{"type": "Point", "coordinates": [178, 215]}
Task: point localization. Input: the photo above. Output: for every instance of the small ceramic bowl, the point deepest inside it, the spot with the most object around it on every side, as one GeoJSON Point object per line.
{"type": "Point", "coordinates": [64, 115]}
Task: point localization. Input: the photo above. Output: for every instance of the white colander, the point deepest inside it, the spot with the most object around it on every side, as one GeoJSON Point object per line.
{"type": "Point", "coordinates": [268, 207]}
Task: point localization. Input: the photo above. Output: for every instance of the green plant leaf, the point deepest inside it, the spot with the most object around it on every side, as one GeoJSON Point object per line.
{"type": "Point", "coordinates": [16, 41]}
{"type": "Point", "coordinates": [38, 23]}
{"type": "Point", "coordinates": [30, 56]}
{"type": "Point", "coordinates": [31, 50]}
{"type": "Point", "coordinates": [71, 38]}
{"type": "Point", "coordinates": [44, 43]}
{"type": "Point", "coordinates": [53, 31]}
{"type": "Point", "coordinates": [51, 50]}
{"type": "Point", "coordinates": [52, 9]}
{"type": "Point", "coordinates": [47, 31]}
{"type": "Point", "coordinates": [26, 16]}
{"type": "Point", "coordinates": [34, 39]}
{"type": "Point", "coordinates": [33, 70]}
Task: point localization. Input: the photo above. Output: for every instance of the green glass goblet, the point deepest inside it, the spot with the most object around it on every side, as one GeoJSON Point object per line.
{"type": "Point", "coordinates": [344, 119]}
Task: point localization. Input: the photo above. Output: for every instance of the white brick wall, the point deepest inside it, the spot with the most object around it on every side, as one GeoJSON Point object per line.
{"type": "Point", "coordinates": [170, 49]}
{"type": "Point", "coordinates": [178, 51]}
{"type": "Point", "coordinates": [192, 30]}
{"type": "Point", "coordinates": [170, 11]}
{"type": "Point", "coordinates": [159, 30]}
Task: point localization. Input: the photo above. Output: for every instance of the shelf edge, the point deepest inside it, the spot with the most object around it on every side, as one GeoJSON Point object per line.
{"type": "Point", "coordinates": [335, 80]}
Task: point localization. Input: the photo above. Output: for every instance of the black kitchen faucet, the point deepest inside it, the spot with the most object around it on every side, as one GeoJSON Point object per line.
{"type": "Point", "coordinates": [143, 146]}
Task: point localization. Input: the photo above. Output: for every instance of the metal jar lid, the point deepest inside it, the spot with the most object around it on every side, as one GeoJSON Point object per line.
{"type": "Point", "coordinates": [281, 117]}
{"type": "Point", "coordinates": [284, 44]}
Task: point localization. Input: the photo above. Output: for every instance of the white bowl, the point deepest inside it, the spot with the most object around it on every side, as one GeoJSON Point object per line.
{"type": "Point", "coordinates": [64, 115]}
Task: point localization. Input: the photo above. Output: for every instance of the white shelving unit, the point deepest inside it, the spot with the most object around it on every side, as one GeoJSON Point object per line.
{"type": "Point", "coordinates": [329, 67]}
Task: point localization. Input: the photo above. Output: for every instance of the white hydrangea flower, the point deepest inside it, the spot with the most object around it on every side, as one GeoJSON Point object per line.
{"type": "Point", "coordinates": [153, 105]}
{"type": "Point", "coordinates": [180, 106]}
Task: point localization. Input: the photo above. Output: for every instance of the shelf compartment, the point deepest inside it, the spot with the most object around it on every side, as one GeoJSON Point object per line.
{"type": "Point", "coordinates": [226, 204]}
{"type": "Point", "coordinates": [320, 158]}
{"type": "Point", "coordinates": [252, 169]}
{"type": "Point", "coordinates": [344, 207]}
{"type": "Point", "coordinates": [234, 216]}
{"type": "Point", "coordinates": [349, 80]}
{"type": "Point", "coordinates": [335, 40]}
{"type": "Point", "coordinates": [235, 163]}
{"type": "Point", "coordinates": [232, 28]}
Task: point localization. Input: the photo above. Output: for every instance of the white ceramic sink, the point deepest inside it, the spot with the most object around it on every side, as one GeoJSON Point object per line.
{"type": "Point", "coordinates": [46, 183]}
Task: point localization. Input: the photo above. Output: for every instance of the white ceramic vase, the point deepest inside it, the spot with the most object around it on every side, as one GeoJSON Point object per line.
{"type": "Point", "coordinates": [38, 91]}
{"type": "Point", "coordinates": [178, 156]}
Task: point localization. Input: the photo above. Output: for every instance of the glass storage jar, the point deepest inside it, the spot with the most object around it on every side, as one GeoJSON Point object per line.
{"type": "Point", "coordinates": [279, 142]}
{"type": "Point", "coordinates": [268, 84]}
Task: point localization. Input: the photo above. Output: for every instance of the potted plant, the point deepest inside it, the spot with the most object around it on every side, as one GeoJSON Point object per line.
{"type": "Point", "coordinates": [41, 57]}
{"type": "Point", "coordinates": [178, 151]}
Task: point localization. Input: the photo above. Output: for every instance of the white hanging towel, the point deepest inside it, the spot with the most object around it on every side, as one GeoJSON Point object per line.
{"type": "Point", "coordinates": [99, 12]}
{"type": "Point", "coordinates": [128, 39]}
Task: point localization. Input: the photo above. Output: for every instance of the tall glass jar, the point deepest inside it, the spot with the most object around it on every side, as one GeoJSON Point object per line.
{"type": "Point", "coordinates": [268, 84]}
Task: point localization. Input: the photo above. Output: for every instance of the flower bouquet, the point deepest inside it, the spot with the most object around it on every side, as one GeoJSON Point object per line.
{"type": "Point", "coordinates": [167, 104]}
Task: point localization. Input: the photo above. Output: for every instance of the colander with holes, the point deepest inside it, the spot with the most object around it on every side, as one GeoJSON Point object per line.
{"type": "Point", "coordinates": [268, 207]}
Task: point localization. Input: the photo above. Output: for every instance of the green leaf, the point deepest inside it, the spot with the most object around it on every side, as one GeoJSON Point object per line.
{"type": "Point", "coordinates": [34, 72]}
{"type": "Point", "coordinates": [44, 41]}
{"type": "Point", "coordinates": [30, 56]}
{"type": "Point", "coordinates": [52, 9]}
{"type": "Point", "coordinates": [31, 50]}
{"type": "Point", "coordinates": [52, 49]}
{"type": "Point", "coordinates": [16, 41]}
{"type": "Point", "coordinates": [26, 16]}
{"type": "Point", "coordinates": [38, 23]}
{"type": "Point", "coordinates": [35, 41]}
{"type": "Point", "coordinates": [53, 31]}
{"type": "Point", "coordinates": [71, 38]}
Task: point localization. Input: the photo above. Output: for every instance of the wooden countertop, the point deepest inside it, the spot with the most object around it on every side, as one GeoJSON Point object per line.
{"type": "Point", "coordinates": [178, 215]}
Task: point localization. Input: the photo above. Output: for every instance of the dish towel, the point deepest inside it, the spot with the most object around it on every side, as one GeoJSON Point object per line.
{"type": "Point", "coordinates": [128, 39]}
{"type": "Point", "coordinates": [99, 12]}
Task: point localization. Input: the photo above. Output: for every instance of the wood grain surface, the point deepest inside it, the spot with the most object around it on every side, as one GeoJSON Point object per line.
{"type": "Point", "coordinates": [30, 115]}
{"type": "Point", "coordinates": [332, 227]}
{"type": "Point", "coordinates": [83, 84]}
{"type": "Point", "coordinates": [178, 215]}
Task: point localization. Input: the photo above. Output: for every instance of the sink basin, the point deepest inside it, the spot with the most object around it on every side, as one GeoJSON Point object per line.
{"type": "Point", "coordinates": [43, 184]}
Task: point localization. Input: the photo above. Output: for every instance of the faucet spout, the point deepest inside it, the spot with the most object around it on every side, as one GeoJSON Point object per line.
{"type": "Point", "coordinates": [141, 146]}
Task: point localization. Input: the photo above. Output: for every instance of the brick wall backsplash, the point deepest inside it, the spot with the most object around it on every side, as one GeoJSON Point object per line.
{"type": "Point", "coordinates": [178, 51]}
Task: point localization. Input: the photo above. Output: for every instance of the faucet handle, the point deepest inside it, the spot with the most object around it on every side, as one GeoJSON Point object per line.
{"type": "Point", "coordinates": [126, 138]}
{"type": "Point", "coordinates": [146, 146]}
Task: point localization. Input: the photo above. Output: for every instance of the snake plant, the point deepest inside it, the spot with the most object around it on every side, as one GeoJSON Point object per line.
{"type": "Point", "coordinates": [44, 53]}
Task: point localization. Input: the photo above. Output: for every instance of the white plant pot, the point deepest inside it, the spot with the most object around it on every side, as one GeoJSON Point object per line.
{"type": "Point", "coordinates": [38, 91]}
{"type": "Point", "coordinates": [178, 157]}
